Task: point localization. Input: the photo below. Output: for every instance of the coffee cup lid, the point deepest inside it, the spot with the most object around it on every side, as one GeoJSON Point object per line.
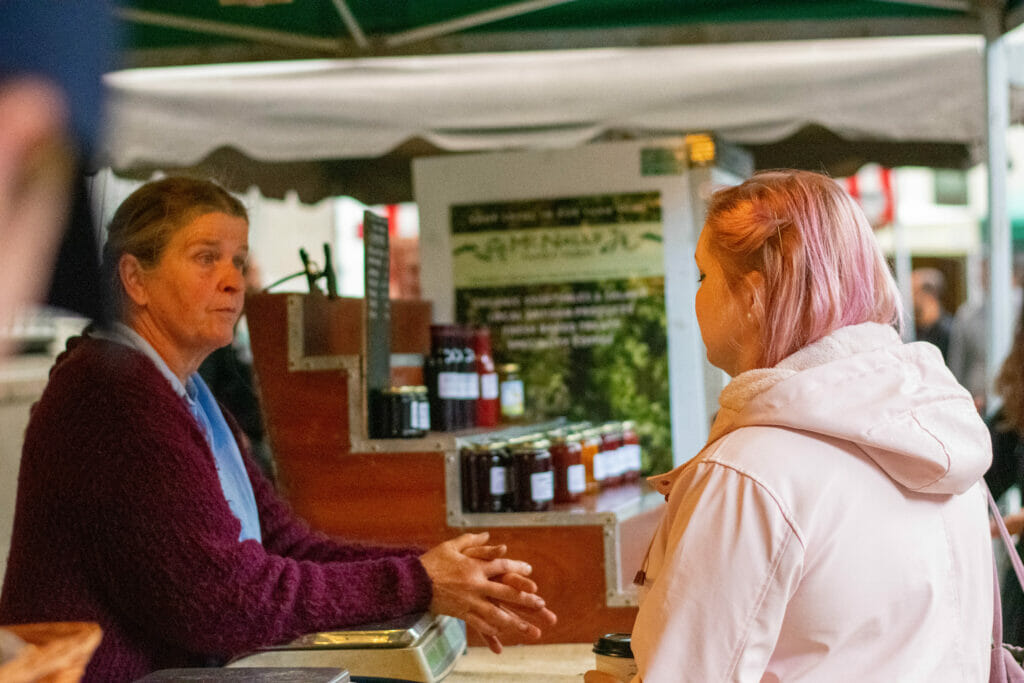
{"type": "Point", "coordinates": [613, 645]}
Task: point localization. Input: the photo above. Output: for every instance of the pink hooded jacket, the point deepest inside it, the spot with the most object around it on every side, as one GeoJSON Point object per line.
{"type": "Point", "coordinates": [833, 529]}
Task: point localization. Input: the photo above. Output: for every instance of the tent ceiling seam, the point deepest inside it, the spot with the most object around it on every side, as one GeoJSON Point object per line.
{"type": "Point", "coordinates": [351, 23]}
{"type": "Point", "coordinates": [257, 35]}
{"type": "Point", "coordinates": [470, 21]}
{"type": "Point", "coordinates": [957, 5]}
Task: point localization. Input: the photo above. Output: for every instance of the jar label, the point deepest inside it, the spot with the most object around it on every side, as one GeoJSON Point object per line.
{"type": "Point", "coordinates": [576, 478]}
{"type": "Point", "coordinates": [423, 409]}
{"type": "Point", "coordinates": [448, 385]}
{"type": "Point", "coordinates": [632, 456]}
{"type": "Point", "coordinates": [498, 481]}
{"type": "Point", "coordinates": [489, 386]}
{"type": "Point", "coordinates": [512, 398]}
{"type": "Point", "coordinates": [542, 486]}
{"type": "Point", "coordinates": [618, 458]}
{"type": "Point", "coordinates": [471, 385]}
{"type": "Point", "coordinates": [600, 466]}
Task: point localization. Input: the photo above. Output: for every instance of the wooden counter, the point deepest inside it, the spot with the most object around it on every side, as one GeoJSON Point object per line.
{"type": "Point", "coordinates": [309, 368]}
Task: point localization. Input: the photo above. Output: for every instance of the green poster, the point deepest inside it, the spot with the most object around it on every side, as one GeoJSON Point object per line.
{"type": "Point", "coordinates": [573, 291]}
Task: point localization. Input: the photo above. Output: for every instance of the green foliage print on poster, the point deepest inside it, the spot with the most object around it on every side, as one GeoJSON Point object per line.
{"type": "Point", "coordinates": [592, 351]}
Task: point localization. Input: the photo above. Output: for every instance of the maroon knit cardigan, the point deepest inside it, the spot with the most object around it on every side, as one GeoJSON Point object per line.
{"type": "Point", "coordinates": [120, 519]}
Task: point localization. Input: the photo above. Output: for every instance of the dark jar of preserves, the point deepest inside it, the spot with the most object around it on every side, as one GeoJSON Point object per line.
{"type": "Point", "coordinates": [494, 477]}
{"type": "Point", "coordinates": [631, 451]}
{"type": "Point", "coordinates": [567, 461]}
{"type": "Point", "coordinates": [534, 475]}
{"type": "Point", "coordinates": [441, 370]}
{"type": "Point", "coordinates": [611, 444]}
{"type": "Point", "coordinates": [469, 456]}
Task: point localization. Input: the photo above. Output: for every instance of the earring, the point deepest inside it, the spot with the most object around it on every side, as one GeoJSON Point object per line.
{"type": "Point", "coordinates": [750, 317]}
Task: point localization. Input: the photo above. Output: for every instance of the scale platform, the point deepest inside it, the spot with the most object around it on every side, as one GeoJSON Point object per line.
{"type": "Point", "coordinates": [417, 647]}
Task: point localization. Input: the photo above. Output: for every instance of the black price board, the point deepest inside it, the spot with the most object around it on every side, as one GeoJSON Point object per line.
{"type": "Point", "coordinates": [378, 319]}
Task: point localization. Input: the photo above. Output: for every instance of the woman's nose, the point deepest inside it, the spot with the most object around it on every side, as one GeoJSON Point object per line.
{"type": "Point", "coordinates": [233, 279]}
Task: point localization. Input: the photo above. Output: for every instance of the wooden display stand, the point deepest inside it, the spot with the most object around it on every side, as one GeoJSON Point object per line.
{"type": "Point", "coordinates": [309, 356]}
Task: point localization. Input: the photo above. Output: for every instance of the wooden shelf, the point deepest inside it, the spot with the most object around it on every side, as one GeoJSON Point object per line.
{"type": "Point", "coordinates": [407, 491]}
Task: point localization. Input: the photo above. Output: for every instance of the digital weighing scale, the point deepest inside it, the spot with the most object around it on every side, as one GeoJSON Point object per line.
{"type": "Point", "coordinates": [417, 647]}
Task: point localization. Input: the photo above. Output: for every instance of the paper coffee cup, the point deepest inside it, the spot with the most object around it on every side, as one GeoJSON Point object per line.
{"type": "Point", "coordinates": [614, 656]}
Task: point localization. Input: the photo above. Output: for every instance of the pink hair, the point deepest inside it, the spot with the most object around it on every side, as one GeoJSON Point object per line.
{"type": "Point", "coordinates": [821, 266]}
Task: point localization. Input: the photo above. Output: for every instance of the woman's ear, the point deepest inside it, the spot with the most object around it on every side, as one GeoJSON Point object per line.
{"type": "Point", "coordinates": [132, 277]}
{"type": "Point", "coordinates": [753, 288]}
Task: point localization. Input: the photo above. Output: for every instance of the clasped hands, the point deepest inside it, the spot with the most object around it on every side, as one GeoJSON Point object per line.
{"type": "Point", "coordinates": [491, 593]}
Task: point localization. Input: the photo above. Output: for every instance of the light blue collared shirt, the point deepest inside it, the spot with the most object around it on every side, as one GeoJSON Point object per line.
{"type": "Point", "coordinates": [234, 482]}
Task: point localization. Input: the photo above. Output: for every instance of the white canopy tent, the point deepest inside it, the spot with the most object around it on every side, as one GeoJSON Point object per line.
{"type": "Point", "coordinates": [917, 89]}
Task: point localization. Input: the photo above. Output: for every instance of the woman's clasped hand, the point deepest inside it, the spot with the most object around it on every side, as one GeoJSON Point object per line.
{"type": "Point", "coordinates": [491, 593]}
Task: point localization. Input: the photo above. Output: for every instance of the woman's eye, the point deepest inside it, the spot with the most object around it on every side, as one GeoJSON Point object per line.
{"type": "Point", "coordinates": [700, 277]}
{"type": "Point", "coordinates": [206, 258]}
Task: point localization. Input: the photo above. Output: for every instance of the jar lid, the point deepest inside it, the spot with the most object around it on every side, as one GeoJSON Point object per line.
{"type": "Point", "coordinates": [614, 645]}
{"type": "Point", "coordinates": [532, 445]}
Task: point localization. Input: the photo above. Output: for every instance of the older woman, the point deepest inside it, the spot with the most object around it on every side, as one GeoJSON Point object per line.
{"type": "Point", "coordinates": [138, 509]}
{"type": "Point", "coordinates": [833, 527]}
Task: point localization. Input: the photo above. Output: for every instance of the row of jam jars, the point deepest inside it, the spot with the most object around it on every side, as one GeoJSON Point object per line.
{"type": "Point", "coordinates": [620, 446]}
{"type": "Point", "coordinates": [610, 454]}
{"type": "Point", "coordinates": [499, 476]}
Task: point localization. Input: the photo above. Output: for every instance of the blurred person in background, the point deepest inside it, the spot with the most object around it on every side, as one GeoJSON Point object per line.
{"type": "Point", "coordinates": [968, 336]}
{"type": "Point", "coordinates": [932, 322]}
{"type": "Point", "coordinates": [1007, 429]}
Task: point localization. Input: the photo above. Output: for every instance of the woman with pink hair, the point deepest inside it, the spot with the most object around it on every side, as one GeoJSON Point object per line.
{"type": "Point", "coordinates": [833, 527]}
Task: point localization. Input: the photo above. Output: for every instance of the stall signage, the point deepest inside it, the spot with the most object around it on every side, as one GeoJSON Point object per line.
{"type": "Point", "coordinates": [378, 316]}
{"type": "Point", "coordinates": [573, 291]}
{"type": "Point", "coordinates": [559, 240]}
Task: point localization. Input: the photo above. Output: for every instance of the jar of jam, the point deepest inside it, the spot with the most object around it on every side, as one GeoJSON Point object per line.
{"type": "Point", "coordinates": [534, 475]}
{"type": "Point", "coordinates": [512, 394]}
{"type": "Point", "coordinates": [570, 474]}
{"type": "Point", "coordinates": [495, 480]}
{"type": "Point", "coordinates": [590, 456]}
{"type": "Point", "coordinates": [631, 447]}
{"type": "Point", "coordinates": [488, 404]}
{"type": "Point", "coordinates": [611, 442]}
{"type": "Point", "coordinates": [468, 456]}
{"type": "Point", "coordinates": [422, 403]}
{"type": "Point", "coordinates": [441, 370]}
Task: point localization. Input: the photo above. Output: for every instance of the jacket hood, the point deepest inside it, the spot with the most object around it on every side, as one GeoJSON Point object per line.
{"type": "Point", "coordinates": [898, 402]}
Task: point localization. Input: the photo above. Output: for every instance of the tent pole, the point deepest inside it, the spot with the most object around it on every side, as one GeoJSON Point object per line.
{"type": "Point", "coordinates": [1000, 242]}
